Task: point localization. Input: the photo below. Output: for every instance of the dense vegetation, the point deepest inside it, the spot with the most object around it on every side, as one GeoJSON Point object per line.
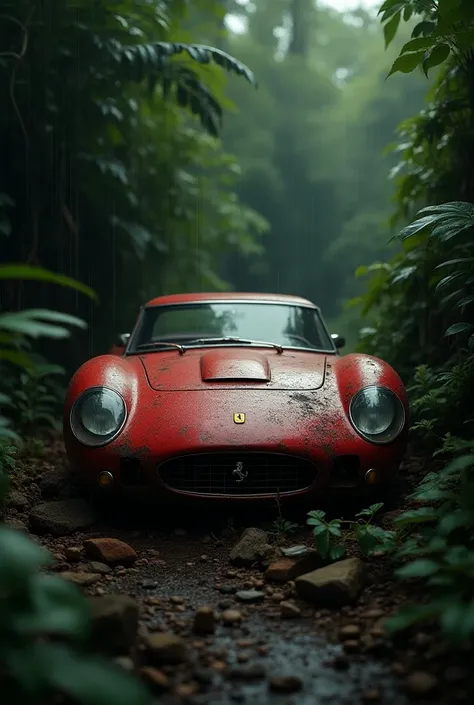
{"type": "Point", "coordinates": [75, 179]}
{"type": "Point", "coordinates": [420, 307]}
{"type": "Point", "coordinates": [104, 176]}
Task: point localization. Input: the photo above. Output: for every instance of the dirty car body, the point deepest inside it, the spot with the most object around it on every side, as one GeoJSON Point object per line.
{"type": "Point", "coordinates": [234, 397]}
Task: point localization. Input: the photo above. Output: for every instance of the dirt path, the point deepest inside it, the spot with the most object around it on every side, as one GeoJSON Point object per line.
{"type": "Point", "coordinates": [263, 653]}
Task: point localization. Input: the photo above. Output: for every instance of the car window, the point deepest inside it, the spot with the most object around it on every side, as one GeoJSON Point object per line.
{"type": "Point", "coordinates": [282, 324]}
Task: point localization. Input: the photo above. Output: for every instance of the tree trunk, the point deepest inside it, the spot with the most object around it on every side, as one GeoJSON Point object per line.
{"type": "Point", "coordinates": [300, 12]}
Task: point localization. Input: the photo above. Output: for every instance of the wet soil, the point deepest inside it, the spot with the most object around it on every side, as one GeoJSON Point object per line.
{"type": "Point", "coordinates": [183, 564]}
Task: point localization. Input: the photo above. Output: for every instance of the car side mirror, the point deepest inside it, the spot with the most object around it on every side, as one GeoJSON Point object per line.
{"type": "Point", "coordinates": [338, 340]}
{"type": "Point", "coordinates": [122, 340]}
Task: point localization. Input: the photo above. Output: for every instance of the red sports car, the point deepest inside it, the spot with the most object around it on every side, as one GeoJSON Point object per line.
{"type": "Point", "coordinates": [234, 396]}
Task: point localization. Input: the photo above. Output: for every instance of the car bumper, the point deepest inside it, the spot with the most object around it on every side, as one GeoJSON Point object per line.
{"type": "Point", "coordinates": [244, 475]}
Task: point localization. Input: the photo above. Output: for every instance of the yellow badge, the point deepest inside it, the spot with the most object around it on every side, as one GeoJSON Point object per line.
{"type": "Point", "coordinates": [239, 418]}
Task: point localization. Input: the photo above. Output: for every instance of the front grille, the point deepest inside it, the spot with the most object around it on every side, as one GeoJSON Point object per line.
{"type": "Point", "coordinates": [218, 473]}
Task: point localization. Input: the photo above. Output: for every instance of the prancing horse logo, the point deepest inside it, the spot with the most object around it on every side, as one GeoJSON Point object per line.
{"type": "Point", "coordinates": [239, 471]}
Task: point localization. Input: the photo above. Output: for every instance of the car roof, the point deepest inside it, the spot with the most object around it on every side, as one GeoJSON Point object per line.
{"type": "Point", "coordinates": [227, 296]}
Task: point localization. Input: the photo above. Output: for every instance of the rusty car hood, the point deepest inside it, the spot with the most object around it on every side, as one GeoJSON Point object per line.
{"type": "Point", "coordinates": [222, 368]}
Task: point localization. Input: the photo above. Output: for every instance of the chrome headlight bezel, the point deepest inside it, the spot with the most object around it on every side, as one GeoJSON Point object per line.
{"type": "Point", "coordinates": [396, 427]}
{"type": "Point", "coordinates": [76, 424]}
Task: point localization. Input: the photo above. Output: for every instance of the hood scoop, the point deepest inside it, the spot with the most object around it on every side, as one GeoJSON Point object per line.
{"type": "Point", "coordinates": [242, 367]}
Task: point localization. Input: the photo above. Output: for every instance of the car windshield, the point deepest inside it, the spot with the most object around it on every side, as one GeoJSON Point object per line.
{"type": "Point", "coordinates": [211, 323]}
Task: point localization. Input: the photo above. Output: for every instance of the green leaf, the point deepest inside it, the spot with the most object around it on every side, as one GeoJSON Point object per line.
{"type": "Point", "coordinates": [406, 63]}
{"type": "Point", "coordinates": [15, 357]}
{"type": "Point", "coordinates": [336, 552]}
{"type": "Point", "coordinates": [316, 514]}
{"type": "Point", "coordinates": [417, 44]}
{"type": "Point", "coordinates": [420, 568]}
{"type": "Point", "coordinates": [365, 539]}
{"type": "Point", "coordinates": [319, 529]}
{"type": "Point", "coordinates": [30, 323]}
{"type": "Point", "coordinates": [457, 620]}
{"type": "Point", "coordinates": [334, 530]}
{"type": "Point", "coordinates": [57, 608]}
{"type": "Point", "coordinates": [421, 515]}
{"type": "Point", "coordinates": [459, 260]}
{"type": "Point", "coordinates": [429, 495]}
{"type": "Point", "coordinates": [465, 301]}
{"type": "Point", "coordinates": [390, 28]}
{"type": "Point", "coordinates": [436, 57]}
{"type": "Point", "coordinates": [322, 543]}
{"type": "Point", "coordinates": [411, 614]}
{"type": "Point", "coordinates": [423, 29]}
{"type": "Point", "coordinates": [19, 556]}
{"type": "Point", "coordinates": [89, 681]}
{"type": "Point", "coordinates": [459, 328]}
{"type": "Point", "coordinates": [388, 5]}
{"type": "Point", "coordinates": [25, 271]}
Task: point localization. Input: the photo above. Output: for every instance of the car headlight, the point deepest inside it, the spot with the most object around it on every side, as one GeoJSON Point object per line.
{"type": "Point", "coordinates": [377, 414]}
{"type": "Point", "coordinates": [98, 416]}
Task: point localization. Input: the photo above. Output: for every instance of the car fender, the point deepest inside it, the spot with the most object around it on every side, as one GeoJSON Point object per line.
{"type": "Point", "coordinates": [355, 371]}
{"type": "Point", "coordinates": [124, 375]}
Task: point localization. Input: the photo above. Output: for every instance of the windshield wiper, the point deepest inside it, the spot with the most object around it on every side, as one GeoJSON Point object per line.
{"type": "Point", "coordinates": [229, 339]}
{"type": "Point", "coordinates": [160, 344]}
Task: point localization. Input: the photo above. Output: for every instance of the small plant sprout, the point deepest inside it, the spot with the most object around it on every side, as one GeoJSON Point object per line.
{"type": "Point", "coordinates": [329, 535]}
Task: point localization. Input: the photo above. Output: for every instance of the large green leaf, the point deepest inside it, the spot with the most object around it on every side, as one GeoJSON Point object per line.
{"type": "Point", "coordinates": [19, 556]}
{"type": "Point", "coordinates": [390, 28]}
{"type": "Point", "coordinates": [57, 608]}
{"type": "Point", "coordinates": [406, 63]}
{"type": "Point", "coordinates": [89, 681]}
{"type": "Point", "coordinates": [151, 56]}
{"type": "Point", "coordinates": [32, 323]}
{"type": "Point", "coordinates": [25, 271]}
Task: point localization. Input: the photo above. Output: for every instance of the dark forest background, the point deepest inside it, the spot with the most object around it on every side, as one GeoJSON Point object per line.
{"type": "Point", "coordinates": [129, 193]}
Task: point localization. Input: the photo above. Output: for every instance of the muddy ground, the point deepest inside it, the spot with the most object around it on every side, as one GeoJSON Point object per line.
{"type": "Point", "coordinates": [278, 650]}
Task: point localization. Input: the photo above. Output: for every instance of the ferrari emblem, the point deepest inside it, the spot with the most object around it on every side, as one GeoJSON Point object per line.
{"type": "Point", "coordinates": [240, 472]}
{"type": "Point", "coordinates": [239, 418]}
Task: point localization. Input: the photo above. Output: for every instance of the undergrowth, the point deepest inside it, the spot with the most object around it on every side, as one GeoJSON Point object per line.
{"type": "Point", "coordinates": [46, 652]}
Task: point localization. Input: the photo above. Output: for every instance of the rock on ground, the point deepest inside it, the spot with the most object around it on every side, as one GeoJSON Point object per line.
{"type": "Point", "coordinates": [110, 551]}
{"type": "Point", "coordinates": [204, 621]}
{"type": "Point", "coordinates": [166, 648]}
{"type": "Point", "coordinates": [61, 518]}
{"type": "Point", "coordinates": [114, 623]}
{"type": "Point", "coordinates": [18, 500]}
{"type": "Point", "coordinates": [334, 585]}
{"type": "Point", "coordinates": [59, 482]}
{"type": "Point", "coordinates": [251, 548]}
{"type": "Point", "coordinates": [79, 578]}
{"type": "Point", "coordinates": [289, 568]}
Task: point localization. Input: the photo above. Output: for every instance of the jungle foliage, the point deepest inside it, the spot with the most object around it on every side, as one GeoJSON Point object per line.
{"type": "Point", "coordinates": [111, 171]}
{"type": "Point", "coordinates": [45, 624]}
{"type": "Point", "coordinates": [419, 307]}
{"type": "Point", "coordinates": [110, 62]}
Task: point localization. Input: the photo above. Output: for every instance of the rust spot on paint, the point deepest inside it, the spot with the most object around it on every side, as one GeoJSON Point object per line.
{"type": "Point", "coordinates": [126, 450]}
{"type": "Point", "coordinates": [308, 402]}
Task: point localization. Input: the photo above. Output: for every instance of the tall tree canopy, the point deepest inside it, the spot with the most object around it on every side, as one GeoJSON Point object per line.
{"type": "Point", "coordinates": [106, 173]}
